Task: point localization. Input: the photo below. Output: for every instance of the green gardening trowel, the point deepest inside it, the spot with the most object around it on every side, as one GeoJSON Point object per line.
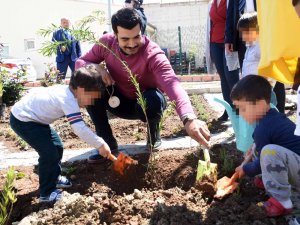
{"type": "Point", "coordinates": [206, 170]}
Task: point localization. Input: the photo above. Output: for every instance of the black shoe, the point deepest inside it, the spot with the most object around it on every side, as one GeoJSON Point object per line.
{"type": "Point", "coordinates": [99, 159]}
{"type": "Point", "coordinates": [223, 118]}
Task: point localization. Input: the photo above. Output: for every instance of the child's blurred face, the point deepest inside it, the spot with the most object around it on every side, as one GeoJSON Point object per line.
{"type": "Point", "coordinates": [251, 112]}
{"type": "Point", "coordinates": [250, 36]}
{"type": "Point", "coordinates": [85, 97]}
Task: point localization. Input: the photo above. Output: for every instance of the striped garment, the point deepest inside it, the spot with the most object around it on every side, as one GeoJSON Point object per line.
{"type": "Point", "coordinates": [74, 117]}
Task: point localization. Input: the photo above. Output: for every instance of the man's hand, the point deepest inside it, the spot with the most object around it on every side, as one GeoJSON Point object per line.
{"type": "Point", "coordinates": [63, 48]}
{"type": "Point", "coordinates": [106, 78]}
{"type": "Point", "coordinates": [229, 47]}
{"type": "Point", "coordinates": [104, 150]}
{"type": "Point", "coordinates": [198, 130]}
{"type": "Point", "coordinates": [240, 171]}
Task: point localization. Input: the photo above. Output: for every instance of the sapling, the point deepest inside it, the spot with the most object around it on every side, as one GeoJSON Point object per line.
{"type": "Point", "coordinates": [82, 32]}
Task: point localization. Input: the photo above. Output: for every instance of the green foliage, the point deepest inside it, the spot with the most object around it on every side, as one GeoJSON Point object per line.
{"type": "Point", "coordinates": [192, 51]}
{"type": "Point", "coordinates": [81, 31]}
{"type": "Point", "coordinates": [200, 108]}
{"type": "Point", "coordinates": [69, 170]}
{"type": "Point", "coordinates": [20, 175]}
{"type": "Point", "coordinates": [12, 85]}
{"type": "Point", "coordinates": [227, 162]}
{"type": "Point", "coordinates": [7, 197]}
{"type": "Point", "coordinates": [169, 110]}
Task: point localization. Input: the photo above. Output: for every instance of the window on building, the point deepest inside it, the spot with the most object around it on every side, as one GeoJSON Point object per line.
{"type": "Point", "coordinates": [29, 44]}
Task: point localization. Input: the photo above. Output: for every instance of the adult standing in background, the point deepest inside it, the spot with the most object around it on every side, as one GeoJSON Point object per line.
{"type": "Point", "coordinates": [217, 14]}
{"type": "Point", "coordinates": [136, 4]}
{"type": "Point", "coordinates": [68, 52]}
{"type": "Point", "coordinates": [233, 41]}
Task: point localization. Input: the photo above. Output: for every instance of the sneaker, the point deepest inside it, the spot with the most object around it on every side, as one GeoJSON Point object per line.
{"type": "Point", "coordinates": [53, 197]}
{"type": "Point", "coordinates": [274, 208]}
{"type": "Point", "coordinates": [63, 182]}
{"type": "Point", "coordinates": [259, 183]}
{"type": "Point", "coordinates": [98, 159]}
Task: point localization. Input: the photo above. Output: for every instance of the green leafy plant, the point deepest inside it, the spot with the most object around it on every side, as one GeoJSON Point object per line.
{"type": "Point", "coordinates": [200, 108]}
{"type": "Point", "coordinates": [169, 110]}
{"type": "Point", "coordinates": [20, 175]}
{"type": "Point", "coordinates": [227, 162]}
{"type": "Point", "coordinates": [69, 170]}
{"type": "Point", "coordinates": [8, 197]}
{"type": "Point", "coordinates": [138, 136]}
{"type": "Point", "coordinates": [13, 85]}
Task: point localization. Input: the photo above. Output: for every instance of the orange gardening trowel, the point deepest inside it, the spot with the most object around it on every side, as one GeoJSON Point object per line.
{"type": "Point", "coordinates": [226, 185]}
{"type": "Point", "coordinates": [122, 163]}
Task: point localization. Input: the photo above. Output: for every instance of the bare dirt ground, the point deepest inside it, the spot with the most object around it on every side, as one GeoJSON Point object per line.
{"type": "Point", "coordinates": [158, 192]}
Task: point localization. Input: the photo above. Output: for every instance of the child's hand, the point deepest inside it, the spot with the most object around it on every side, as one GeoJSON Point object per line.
{"type": "Point", "coordinates": [240, 171]}
{"type": "Point", "coordinates": [104, 150]}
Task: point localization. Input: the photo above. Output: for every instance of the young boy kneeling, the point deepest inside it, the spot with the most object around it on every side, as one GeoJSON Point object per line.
{"type": "Point", "coordinates": [277, 148]}
{"type": "Point", "coordinates": [31, 116]}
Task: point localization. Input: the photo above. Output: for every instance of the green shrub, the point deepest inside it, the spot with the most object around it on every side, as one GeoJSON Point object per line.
{"type": "Point", "coordinates": [7, 197]}
{"type": "Point", "coordinates": [13, 85]}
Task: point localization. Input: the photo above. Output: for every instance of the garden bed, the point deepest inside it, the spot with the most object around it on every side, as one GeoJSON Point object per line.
{"type": "Point", "coordinates": [161, 192]}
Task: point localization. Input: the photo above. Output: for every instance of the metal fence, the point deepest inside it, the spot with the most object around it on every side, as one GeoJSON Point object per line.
{"type": "Point", "coordinates": [192, 41]}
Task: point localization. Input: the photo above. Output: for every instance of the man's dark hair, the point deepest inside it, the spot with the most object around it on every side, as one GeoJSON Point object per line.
{"type": "Point", "coordinates": [252, 88]}
{"type": "Point", "coordinates": [248, 21]}
{"type": "Point", "coordinates": [88, 78]}
{"type": "Point", "coordinates": [126, 18]}
{"type": "Point", "coordinates": [295, 2]}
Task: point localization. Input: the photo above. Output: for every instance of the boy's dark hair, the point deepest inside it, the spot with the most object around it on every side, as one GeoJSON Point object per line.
{"type": "Point", "coordinates": [295, 2]}
{"type": "Point", "coordinates": [126, 18]}
{"type": "Point", "coordinates": [88, 78]}
{"type": "Point", "coordinates": [252, 88]}
{"type": "Point", "coordinates": [248, 21]}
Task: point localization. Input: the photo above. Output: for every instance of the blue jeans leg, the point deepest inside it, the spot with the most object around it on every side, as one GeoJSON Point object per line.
{"type": "Point", "coordinates": [48, 145]}
{"type": "Point", "coordinates": [128, 109]}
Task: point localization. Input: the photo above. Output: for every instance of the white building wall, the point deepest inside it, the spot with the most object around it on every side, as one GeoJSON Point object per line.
{"type": "Point", "coordinates": [190, 16]}
{"type": "Point", "coordinates": [21, 19]}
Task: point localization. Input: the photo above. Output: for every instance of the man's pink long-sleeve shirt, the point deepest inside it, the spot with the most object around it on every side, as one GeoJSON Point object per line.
{"type": "Point", "coordinates": [150, 64]}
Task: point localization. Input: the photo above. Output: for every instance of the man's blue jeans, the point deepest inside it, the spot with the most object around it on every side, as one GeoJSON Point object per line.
{"type": "Point", "coordinates": [48, 145]}
{"type": "Point", "coordinates": [228, 78]}
{"type": "Point", "coordinates": [128, 109]}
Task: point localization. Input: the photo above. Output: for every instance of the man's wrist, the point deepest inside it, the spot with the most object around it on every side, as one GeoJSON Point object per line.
{"type": "Point", "coordinates": [188, 117]}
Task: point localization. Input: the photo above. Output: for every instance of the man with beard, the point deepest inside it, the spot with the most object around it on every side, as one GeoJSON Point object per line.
{"type": "Point", "coordinates": [153, 73]}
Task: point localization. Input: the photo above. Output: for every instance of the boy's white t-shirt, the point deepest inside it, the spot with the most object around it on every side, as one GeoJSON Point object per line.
{"type": "Point", "coordinates": [45, 105]}
{"type": "Point", "coordinates": [251, 59]}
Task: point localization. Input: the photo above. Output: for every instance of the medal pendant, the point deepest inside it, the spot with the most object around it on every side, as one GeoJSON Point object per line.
{"type": "Point", "coordinates": [114, 101]}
